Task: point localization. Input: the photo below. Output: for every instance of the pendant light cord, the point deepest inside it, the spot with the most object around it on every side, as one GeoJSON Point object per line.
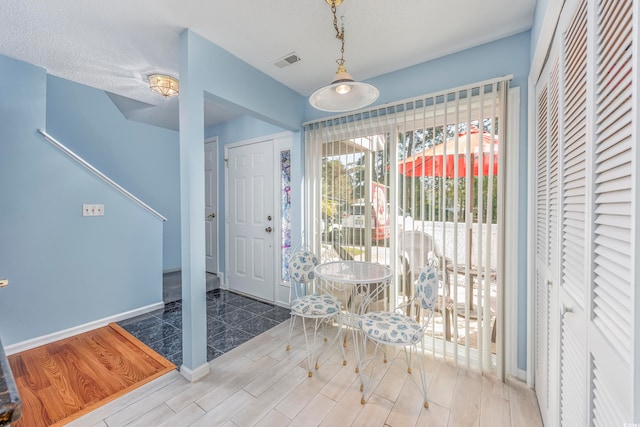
{"type": "Point", "coordinates": [339, 32]}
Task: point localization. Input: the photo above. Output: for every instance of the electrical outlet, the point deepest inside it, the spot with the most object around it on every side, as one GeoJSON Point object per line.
{"type": "Point", "coordinates": [4, 282]}
{"type": "Point", "coordinates": [92, 210]}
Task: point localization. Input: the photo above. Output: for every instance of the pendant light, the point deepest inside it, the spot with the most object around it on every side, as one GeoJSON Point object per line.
{"type": "Point", "coordinates": [343, 93]}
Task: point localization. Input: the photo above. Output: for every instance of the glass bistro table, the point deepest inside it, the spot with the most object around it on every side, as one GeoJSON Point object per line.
{"type": "Point", "coordinates": [357, 285]}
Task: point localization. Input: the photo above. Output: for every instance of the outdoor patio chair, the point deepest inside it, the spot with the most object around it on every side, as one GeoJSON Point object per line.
{"type": "Point", "coordinates": [308, 301]}
{"type": "Point", "coordinates": [395, 329]}
{"type": "Point", "coordinates": [415, 246]}
{"type": "Point", "coordinates": [417, 249]}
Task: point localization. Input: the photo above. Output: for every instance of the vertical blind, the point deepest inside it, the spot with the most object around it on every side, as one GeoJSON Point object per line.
{"type": "Point", "coordinates": [419, 178]}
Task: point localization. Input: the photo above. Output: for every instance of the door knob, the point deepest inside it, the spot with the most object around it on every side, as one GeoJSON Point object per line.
{"type": "Point", "coordinates": [268, 229]}
{"type": "Point", "coordinates": [564, 310]}
{"type": "Point", "coordinates": [211, 215]}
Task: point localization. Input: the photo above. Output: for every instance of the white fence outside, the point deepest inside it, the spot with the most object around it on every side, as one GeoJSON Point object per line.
{"type": "Point", "coordinates": [446, 240]}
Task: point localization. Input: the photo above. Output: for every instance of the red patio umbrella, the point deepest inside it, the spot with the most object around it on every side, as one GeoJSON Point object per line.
{"type": "Point", "coordinates": [441, 159]}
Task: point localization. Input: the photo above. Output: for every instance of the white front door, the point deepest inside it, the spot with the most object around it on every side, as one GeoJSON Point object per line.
{"type": "Point", "coordinates": [211, 203]}
{"type": "Point", "coordinates": [251, 207]}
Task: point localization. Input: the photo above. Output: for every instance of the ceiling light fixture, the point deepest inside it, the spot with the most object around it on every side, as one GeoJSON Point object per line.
{"type": "Point", "coordinates": [343, 93]}
{"type": "Point", "coordinates": [164, 85]}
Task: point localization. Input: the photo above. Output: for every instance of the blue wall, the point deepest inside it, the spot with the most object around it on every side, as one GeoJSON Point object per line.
{"type": "Point", "coordinates": [65, 270]}
{"type": "Point", "coordinates": [542, 8]}
{"type": "Point", "coordinates": [241, 129]}
{"type": "Point", "coordinates": [141, 158]}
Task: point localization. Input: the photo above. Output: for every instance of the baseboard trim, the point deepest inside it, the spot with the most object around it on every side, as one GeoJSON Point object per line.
{"type": "Point", "coordinates": [66, 333]}
{"type": "Point", "coordinates": [224, 283]}
{"type": "Point", "coordinates": [521, 374]}
{"type": "Point", "coordinates": [196, 374]}
{"type": "Point", "coordinates": [221, 278]}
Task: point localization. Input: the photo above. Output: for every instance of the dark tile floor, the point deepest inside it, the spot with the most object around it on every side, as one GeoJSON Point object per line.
{"type": "Point", "coordinates": [232, 319]}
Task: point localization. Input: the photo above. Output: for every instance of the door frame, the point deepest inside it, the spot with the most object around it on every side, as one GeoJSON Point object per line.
{"type": "Point", "coordinates": [282, 141]}
{"type": "Point", "coordinates": [508, 327]}
{"type": "Point", "coordinates": [214, 140]}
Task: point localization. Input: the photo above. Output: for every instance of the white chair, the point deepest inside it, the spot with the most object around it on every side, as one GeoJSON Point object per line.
{"type": "Point", "coordinates": [395, 329]}
{"type": "Point", "coordinates": [308, 301]}
{"type": "Point", "coordinates": [417, 249]}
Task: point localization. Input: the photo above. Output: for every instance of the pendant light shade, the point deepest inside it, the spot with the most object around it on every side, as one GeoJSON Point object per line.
{"type": "Point", "coordinates": [343, 93]}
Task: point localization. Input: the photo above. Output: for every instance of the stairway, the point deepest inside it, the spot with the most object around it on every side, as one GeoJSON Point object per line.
{"type": "Point", "coordinates": [172, 285]}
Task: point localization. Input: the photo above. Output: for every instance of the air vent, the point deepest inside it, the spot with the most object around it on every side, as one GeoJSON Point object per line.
{"type": "Point", "coordinates": [290, 59]}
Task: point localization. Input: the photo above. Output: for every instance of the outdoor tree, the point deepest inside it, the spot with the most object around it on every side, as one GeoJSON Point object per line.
{"type": "Point", "coordinates": [336, 185]}
{"type": "Point", "coordinates": [440, 198]}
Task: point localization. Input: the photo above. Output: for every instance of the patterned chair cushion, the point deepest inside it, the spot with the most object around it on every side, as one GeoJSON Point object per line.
{"type": "Point", "coordinates": [392, 328]}
{"type": "Point", "coordinates": [427, 290]}
{"type": "Point", "coordinates": [315, 305]}
{"type": "Point", "coordinates": [301, 266]}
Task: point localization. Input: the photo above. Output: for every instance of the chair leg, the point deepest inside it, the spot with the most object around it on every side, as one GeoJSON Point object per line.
{"type": "Point", "coordinates": [413, 353]}
{"type": "Point", "coordinates": [423, 375]}
{"type": "Point", "coordinates": [447, 323]}
{"type": "Point", "coordinates": [306, 339]}
{"type": "Point", "coordinates": [356, 348]}
{"type": "Point", "coordinates": [367, 375]}
{"type": "Point", "coordinates": [292, 322]}
{"type": "Point", "coordinates": [493, 329]}
{"type": "Point", "coordinates": [360, 349]}
{"type": "Point", "coordinates": [408, 358]}
{"type": "Point", "coordinates": [363, 376]}
{"type": "Point", "coordinates": [337, 339]}
{"type": "Point", "coordinates": [341, 332]}
{"type": "Point", "coordinates": [453, 326]}
{"type": "Point", "coordinates": [314, 350]}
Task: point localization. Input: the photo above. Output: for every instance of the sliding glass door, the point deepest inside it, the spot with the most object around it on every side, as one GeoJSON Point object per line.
{"type": "Point", "coordinates": [413, 183]}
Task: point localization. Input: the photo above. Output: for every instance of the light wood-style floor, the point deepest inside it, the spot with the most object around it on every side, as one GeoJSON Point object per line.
{"type": "Point", "coordinates": [260, 383]}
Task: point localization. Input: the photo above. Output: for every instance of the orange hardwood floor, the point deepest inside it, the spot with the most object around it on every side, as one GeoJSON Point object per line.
{"type": "Point", "coordinates": [63, 380]}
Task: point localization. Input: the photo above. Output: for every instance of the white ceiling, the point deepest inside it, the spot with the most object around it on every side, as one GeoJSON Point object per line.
{"type": "Point", "coordinates": [114, 45]}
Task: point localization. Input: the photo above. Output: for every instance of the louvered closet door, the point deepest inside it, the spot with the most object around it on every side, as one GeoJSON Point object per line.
{"type": "Point", "coordinates": [574, 278]}
{"type": "Point", "coordinates": [541, 291]}
{"type": "Point", "coordinates": [611, 327]}
{"type": "Point", "coordinates": [547, 244]}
